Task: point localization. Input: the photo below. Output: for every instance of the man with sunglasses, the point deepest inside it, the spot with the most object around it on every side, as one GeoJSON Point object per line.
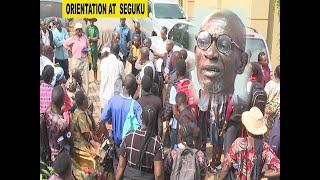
{"type": "Point", "coordinates": [219, 58]}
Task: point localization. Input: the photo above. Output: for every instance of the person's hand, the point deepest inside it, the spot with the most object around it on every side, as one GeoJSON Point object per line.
{"type": "Point", "coordinates": [138, 79]}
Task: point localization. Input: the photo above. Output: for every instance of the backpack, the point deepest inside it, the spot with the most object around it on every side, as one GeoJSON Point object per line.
{"type": "Point", "coordinates": [186, 86]}
{"type": "Point", "coordinates": [258, 96]}
{"type": "Point", "coordinates": [185, 165]}
{"type": "Point", "coordinates": [45, 151]}
{"type": "Point", "coordinates": [131, 122]}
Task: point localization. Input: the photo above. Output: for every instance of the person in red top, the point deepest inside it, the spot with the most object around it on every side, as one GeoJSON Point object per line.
{"type": "Point", "coordinates": [247, 157]}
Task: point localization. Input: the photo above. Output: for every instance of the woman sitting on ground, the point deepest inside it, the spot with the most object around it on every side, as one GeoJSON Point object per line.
{"type": "Point", "coordinates": [85, 142]}
{"type": "Point", "coordinates": [141, 152]}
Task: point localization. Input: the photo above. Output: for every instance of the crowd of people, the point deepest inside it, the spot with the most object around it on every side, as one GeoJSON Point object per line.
{"type": "Point", "coordinates": [161, 124]}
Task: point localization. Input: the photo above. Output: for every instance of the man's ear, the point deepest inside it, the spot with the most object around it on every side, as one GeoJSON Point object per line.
{"type": "Point", "coordinates": [242, 64]}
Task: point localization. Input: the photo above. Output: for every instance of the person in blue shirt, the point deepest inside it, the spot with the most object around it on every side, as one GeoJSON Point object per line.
{"type": "Point", "coordinates": [125, 37]}
{"type": "Point", "coordinates": [60, 34]}
{"type": "Point", "coordinates": [116, 111]}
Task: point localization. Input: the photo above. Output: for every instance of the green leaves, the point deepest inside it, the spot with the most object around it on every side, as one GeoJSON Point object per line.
{"type": "Point", "coordinates": [45, 171]}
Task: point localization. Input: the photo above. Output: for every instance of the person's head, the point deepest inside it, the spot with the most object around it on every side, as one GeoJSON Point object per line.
{"type": "Point", "coordinates": [123, 21]}
{"type": "Point", "coordinates": [78, 29]}
{"type": "Point", "coordinates": [262, 59]}
{"type": "Point", "coordinates": [186, 136]}
{"type": "Point", "coordinates": [130, 84]}
{"type": "Point", "coordinates": [218, 53]}
{"type": "Point", "coordinates": [58, 24]}
{"type": "Point", "coordinates": [256, 73]}
{"type": "Point", "coordinates": [174, 57]}
{"type": "Point", "coordinates": [115, 48]}
{"type": "Point", "coordinates": [137, 27]}
{"type": "Point", "coordinates": [180, 68]}
{"type": "Point", "coordinates": [62, 165]}
{"type": "Point", "coordinates": [144, 54]}
{"type": "Point", "coordinates": [71, 84]}
{"type": "Point", "coordinates": [169, 45]}
{"type": "Point", "coordinates": [81, 100]}
{"type": "Point", "coordinates": [148, 71]}
{"type": "Point", "coordinates": [115, 37]}
{"type": "Point", "coordinates": [57, 98]}
{"type": "Point", "coordinates": [146, 83]}
{"type": "Point", "coordinates": [181, 100]}
{"type": "Point", "coordinates": [76, 74]}
{"type": "Point", "coordinates": [253, 121]}
{"type": "Point", "coordinates": [147, 42]}
{"type": "Point", "coordinates": [277, 72]}
{"type": "Point", "coordinates": [163, 33]}
{"type": "Point", "coordinates": [149, 118]}
{"type": "Point", "coordinates": [137, 40]}
{"type": "Point", "coordinates": [47, 74]}
{"type": "Point", "coordinates": [184, 54]}
{"type": "Point", "coordinates": [43, 25]}
{"type": "Point", "coordinates": [92, 21]}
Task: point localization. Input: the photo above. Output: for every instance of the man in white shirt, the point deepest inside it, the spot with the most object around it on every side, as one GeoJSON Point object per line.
{"type": "Point", "coordinates": [44, 60]}
{"type": "Point", "coordinates": [145, 61]}
{"type": "Point", "coordinates": [112, 75]}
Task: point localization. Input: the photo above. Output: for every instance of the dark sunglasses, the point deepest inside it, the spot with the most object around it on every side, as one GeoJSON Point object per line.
{"type": "Point", "coordinates": [223, 42]}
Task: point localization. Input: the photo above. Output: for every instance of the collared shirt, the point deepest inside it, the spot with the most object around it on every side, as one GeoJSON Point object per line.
{"type": "Point", "coordinates": [45, 96]}
{"type": "Point", "coordinates": [124, 38]}
{"type": "Point", "coordinates": [78, 44]}
{"type": "Point", "coordinates": [243, 156]}
{"type": "Point", "coordinates": [43, 62]}
{"type": "Point", "coordinates": [131, 145]}
{"type": "Point", "coordinates": [58, 38]}
{"type": "Point", "coordinates": [148, 63]}
{"type": "Point", "coordinates": [116, 110]}
{"type": "Point", "coordinates": [112, 74]}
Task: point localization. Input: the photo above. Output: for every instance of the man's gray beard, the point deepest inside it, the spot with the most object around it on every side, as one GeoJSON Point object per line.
{"type": "Point", "coordinates": [212, 88]}
{"type": "Point", "coordinates": [216, 88]}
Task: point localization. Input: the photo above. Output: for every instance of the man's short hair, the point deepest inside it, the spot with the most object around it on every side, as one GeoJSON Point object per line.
{"type": "Point", "coordinates": [57, 97]}
{"type": "Point", "coordinates": [148, 71]}
{"type": "Point", "coordinates": [165, 29]}
{"type": "Point", "coordinates": [47, 74]}
{"type": "Point", "coordinates": [130, 83]}
{"type": "Point", "coordinates": [115, 48]}
{"type": "Point", "coordinates": [184, 54]}
{"type": "Point", "coordinates": [146, 83]}
{"type": "Point", "coordinates": [79, 98]}
{"type": "Point", "coordinates": [181, 67]}
{"type": "Point", "coordinates": [181, 97]}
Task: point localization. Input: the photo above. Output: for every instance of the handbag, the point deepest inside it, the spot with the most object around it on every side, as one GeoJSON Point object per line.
{"type": "Point", "coordinates": [131, 122]}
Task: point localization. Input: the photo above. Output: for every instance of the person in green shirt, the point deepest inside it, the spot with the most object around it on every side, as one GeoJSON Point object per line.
{"type": "Point", "coordinates": [93, 36]}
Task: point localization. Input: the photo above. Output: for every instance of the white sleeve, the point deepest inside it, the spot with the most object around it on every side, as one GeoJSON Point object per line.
{"type": "Point", "coordinates": [173, 93]}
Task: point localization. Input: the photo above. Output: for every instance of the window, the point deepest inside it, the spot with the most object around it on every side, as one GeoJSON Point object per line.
{"type": "Point", "coordinates": [168, 11]}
